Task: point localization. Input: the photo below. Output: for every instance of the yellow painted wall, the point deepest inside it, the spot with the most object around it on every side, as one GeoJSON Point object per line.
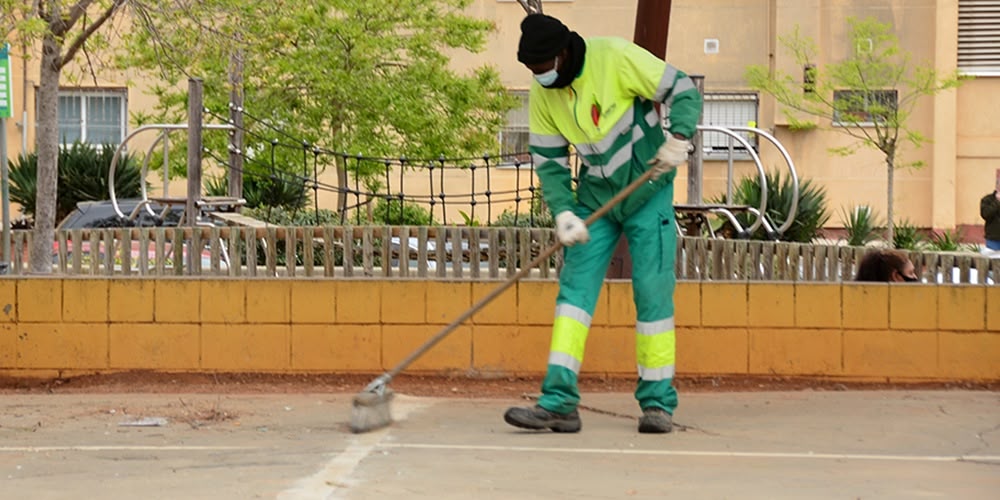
{"type": "Point", "coordinates": [857, 331]}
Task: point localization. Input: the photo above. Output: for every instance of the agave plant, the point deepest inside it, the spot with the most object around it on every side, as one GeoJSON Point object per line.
{"type": "Point", "coordinates": [83, 176]}
{"type": "Point", "coordinates": [906, 236]}
{"type": "Point", "coordinates": [23, 177]}
{"type": "Point", "coordinates": [861, 224]}
{"type": "Point", "coordinates": [947, 241]}
{"type": "Point", "coordinates": [810, 216]}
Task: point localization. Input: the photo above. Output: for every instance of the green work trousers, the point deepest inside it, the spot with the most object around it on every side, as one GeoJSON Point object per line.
{"type": "Point", "coordinates": [652, 238]}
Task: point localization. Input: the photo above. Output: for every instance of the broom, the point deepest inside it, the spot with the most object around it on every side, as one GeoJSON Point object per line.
{"type": "Point", "coordinates": [371, 408]}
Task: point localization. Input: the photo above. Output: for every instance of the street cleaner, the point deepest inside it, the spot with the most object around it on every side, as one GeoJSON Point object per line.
{"type": "Point", "coordinates": [598, 95]}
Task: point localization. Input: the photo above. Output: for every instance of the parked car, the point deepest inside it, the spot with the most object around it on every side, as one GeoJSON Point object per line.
{"type": "Point", "coordinates": [101, 214]}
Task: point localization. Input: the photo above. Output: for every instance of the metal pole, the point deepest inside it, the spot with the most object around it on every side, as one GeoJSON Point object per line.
{"type": "Point", "coordinates": [166, 163]}
{"type": "Point", "coordinates": [6, 111]}
{"type": "Point", "coordinates": [5, 265]}
{"type": "Point", "coordinates": [694, 191]}
{"type": "Point", "coordinates": [729, 173]}
{"type": "Point", "coordinates": [195, 100]}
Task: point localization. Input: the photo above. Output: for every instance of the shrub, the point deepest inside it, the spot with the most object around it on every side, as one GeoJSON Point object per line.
{"type": "Point", "coordinates": [861, 225]}
{"type": "Point", "coordinates": [264, 189]}
{"type": "Point", "coordinates": [281, 216]}
{"type": "Point", "coordinates": [810, 216]}
{"type": "Point", "coordinates": [906, 236]}
{"type": "Point", "coordinates": [392, 212]}
{"type": "Point", "coordinates": [947, 241]}
{"type": "Point", "coordinates": [538, 216]}
{"type": "Point", "coordinates": [83, 176]}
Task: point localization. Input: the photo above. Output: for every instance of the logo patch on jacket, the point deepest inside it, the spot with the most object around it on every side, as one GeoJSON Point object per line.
{"type": "Point", "coordinates": [595, 113]}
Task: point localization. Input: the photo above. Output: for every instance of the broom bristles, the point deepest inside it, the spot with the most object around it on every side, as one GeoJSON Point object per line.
{"type": "Point", "coordinates": [371, 411]}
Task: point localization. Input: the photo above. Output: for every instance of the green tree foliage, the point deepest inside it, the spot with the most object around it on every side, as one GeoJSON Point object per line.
{"type": "Point", "coordinates": [877, 64]}
{"type": "Point", "coordinates": [353, 76]}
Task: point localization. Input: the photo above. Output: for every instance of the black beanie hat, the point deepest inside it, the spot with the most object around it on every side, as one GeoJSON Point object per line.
{"type": "Point", "coordinates": [542, 37]}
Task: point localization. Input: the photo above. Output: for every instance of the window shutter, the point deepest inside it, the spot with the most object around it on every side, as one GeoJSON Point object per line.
{"type": "Point", "coordinates": [979, 37]}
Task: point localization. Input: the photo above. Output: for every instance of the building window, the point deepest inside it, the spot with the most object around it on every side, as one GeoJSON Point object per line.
{"type": "Point", "coordinates": [92, 116]}
{"type": "Point", "coordinates": [729, 109]}
{"type": "Point", "coordinates": [514, 135]}
{"type": "Point", "coordinates": [861, 107]}
{"type": "Point", "coordinates": [979, 37]}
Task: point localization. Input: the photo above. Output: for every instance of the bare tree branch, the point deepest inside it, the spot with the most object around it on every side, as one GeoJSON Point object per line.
{"type": "Point", "coordinates": [89, 30]}
{"type": "Point", "coordinates": [90, 64]}
{"type": "Point", "coordinates": [78, 10]}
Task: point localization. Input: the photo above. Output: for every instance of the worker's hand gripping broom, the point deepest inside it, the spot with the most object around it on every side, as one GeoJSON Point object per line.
{"type": "Point", "coordinates": [371, 409]}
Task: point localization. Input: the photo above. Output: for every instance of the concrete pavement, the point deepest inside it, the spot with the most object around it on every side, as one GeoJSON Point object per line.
{"type": "Point", "coordinates": [809, 444]}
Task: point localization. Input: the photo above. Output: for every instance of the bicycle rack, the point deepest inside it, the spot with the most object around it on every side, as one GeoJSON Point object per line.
{"type": "Point", "coordinates": [702, 208]}
{"type": "Point", "coordinates": [729, 209]}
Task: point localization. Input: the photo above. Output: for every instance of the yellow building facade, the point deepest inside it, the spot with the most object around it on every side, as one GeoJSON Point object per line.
{"type": "Point", "coordinates": [719, 39]}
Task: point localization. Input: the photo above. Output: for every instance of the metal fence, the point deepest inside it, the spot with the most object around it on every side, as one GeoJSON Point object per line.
{"type": "Point", "coordinates": [437, 252]}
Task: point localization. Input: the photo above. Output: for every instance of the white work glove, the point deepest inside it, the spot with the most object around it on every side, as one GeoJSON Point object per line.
{"type": "Point", "coordinates": [671, 154]}
{"type": "Point", "coordinates": [570, 229]}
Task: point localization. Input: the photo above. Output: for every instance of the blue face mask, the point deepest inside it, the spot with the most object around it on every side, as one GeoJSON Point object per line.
{"type": "Point", "coordinates": [550, 76]}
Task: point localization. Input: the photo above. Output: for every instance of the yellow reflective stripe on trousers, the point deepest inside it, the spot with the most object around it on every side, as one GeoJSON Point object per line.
{"type": "Point", "coordinates": [569, 337]}
{"type": "Point", "coordinates": [656, 349]}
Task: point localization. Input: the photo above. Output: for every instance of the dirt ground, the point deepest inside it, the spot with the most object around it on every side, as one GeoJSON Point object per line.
{"type": "Point", "coordinates": [424, 385]}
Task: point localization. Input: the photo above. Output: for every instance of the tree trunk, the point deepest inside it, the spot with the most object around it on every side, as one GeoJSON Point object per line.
{"type": "Point", "coordinates": [890, 233]}
{"type": "Point", "coordinates": [47, 145]}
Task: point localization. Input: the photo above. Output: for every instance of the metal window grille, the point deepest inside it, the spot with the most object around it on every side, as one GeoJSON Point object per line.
{"type": "Point", "coordinates": [729, 109]}
{"type": "Point", "coordinates": [92, 116]}
{"type": "Point", "coordinates": [979, 37]}
{"type": "Point", "coordinates": [859, 107]}
{"type": "Point", "coordinates": [514, 136]}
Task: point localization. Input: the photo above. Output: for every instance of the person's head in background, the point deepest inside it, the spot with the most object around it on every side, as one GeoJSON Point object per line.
{"type": "Point", "coordinates": [886, 266]}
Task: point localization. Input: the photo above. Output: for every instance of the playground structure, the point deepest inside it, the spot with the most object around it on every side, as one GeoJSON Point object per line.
{"type": "Point", "coordinates": [220, 210]}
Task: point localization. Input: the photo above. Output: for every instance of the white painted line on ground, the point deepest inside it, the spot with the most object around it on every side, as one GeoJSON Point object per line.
{"type": "Point", "coordinates": [334, 478]}
{"type": "Point", "coordinates": [42, 449]}
{"type": "Point", "coordinates": [695, 453]}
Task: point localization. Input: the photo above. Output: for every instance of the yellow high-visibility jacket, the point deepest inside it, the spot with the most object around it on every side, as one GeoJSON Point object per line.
{"type": "Point", "coordinates": [607, 114]}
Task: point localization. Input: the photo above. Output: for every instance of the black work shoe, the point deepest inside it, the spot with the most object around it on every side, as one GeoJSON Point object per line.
{"type": "Point", "coordinates": [655, 421]}
{"type": "Point", "coordinates": [538, 418]}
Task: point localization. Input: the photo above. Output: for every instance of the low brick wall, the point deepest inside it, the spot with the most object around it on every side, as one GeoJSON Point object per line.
{"type": "Point", "coordinates": [56, 326]}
